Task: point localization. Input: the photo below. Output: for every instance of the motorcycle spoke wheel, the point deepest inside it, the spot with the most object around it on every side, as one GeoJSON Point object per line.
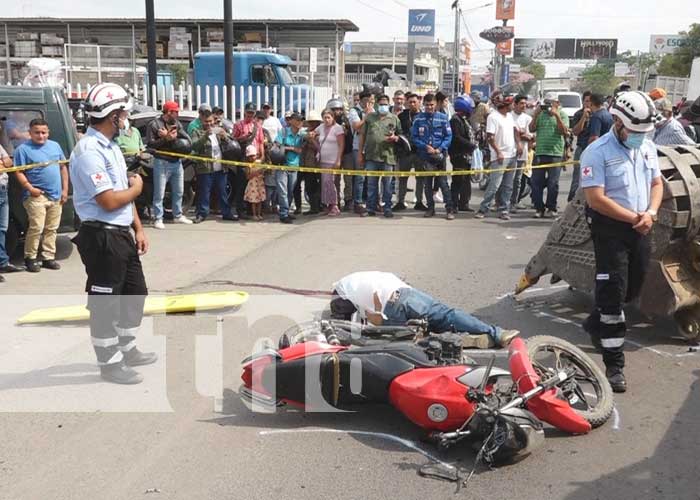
{"type": "Point", "coordinates": [587, 391]}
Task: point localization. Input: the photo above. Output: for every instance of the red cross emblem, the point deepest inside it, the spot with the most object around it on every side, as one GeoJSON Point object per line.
{"type": "Point", "coordinates": [587, 172]}
{"type": "Point", "coordinates": [109, 95]}
{"type": "Point", "coordinates": [98, 177]}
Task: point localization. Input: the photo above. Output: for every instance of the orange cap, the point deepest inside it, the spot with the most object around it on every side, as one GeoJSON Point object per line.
{"type": "Point", "coordinates": [657, 93]}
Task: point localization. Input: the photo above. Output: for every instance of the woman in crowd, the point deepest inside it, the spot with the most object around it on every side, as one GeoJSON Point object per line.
{"type": "Point", "coordinates": [331, 138]}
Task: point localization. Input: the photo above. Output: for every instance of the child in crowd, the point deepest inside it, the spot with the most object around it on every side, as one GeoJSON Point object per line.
{"type": "Point", "coordinates": [255, 190]}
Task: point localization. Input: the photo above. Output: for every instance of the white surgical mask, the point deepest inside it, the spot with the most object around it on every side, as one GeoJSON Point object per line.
{"type": "Point", "coordinates": [383, 109]}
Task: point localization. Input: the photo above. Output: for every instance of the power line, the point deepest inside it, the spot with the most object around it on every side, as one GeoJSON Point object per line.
{"type": "Point", "coordinates": [369, 5]}
{"type": "Point", "coordinates": [469, 33]}
{"type": "Point", "coordinates": [401, 4]}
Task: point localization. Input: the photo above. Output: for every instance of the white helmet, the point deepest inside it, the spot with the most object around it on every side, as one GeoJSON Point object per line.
{"type": "Point", "coordinates": [636, 110]}
{"type": "Point", "coordinates": [105, 98]}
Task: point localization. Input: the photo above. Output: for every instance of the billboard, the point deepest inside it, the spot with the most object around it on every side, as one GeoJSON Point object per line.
{"type": "Point", "coordinates": [665, 44]}
{"type": "Point", "coordinates": [505, 9]}
{"type": "Point", "coordinates": [596, 48]}
{"type": "Point", "coordinates": [565, 48]}
{"type": "Point", "coordinates": [421, 25]}
{"type": "Point", "coordinates": [506, 47]}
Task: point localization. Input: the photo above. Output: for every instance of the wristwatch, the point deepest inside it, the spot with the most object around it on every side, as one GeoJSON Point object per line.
{"type": "Point", "coordinates": [653, 213]}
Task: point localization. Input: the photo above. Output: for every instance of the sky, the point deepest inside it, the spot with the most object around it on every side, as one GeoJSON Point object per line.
{"type": "Point", "coordinates": [631, 21]}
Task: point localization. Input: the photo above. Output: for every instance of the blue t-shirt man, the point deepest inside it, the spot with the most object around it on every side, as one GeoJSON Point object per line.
{"type": "Point", "coordinates": [47, 179]}
{"type": "Point", "coordinates": [599, 124]}
{"type": "Point", "coordinates": [287, 137]}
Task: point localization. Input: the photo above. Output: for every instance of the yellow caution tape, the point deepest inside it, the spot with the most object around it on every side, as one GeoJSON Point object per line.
{"type": "Point", "coordinates": [365, 173]}
{"type": "Point", "coordinates": [22, 168]}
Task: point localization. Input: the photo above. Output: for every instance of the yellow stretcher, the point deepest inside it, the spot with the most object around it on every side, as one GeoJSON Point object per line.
{"type": "Point", "coordinates": [158, 304]}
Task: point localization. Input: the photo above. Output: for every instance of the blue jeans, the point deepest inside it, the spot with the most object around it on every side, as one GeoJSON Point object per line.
{"type": "Point", "coordinates": [285, 190]}
{"type": "Point", "coordinates": [205, 182]}
{"type": "Point", "coordinates": [164, 171]}
{"type": "Point", "coordinates": [545, 178]}
{"type": "Point", "coordinates": [358, 182]}
{"type": "Point", "coordinates": [503, 180]}
{"type": "Point", "coordinates": [4, 222]}
{"type": "Point", "coordinates": [414, 304]}
{"type": "Point", "coordinates": [436, 182]}
{"type": "Point", "coordinates": [373, 185]}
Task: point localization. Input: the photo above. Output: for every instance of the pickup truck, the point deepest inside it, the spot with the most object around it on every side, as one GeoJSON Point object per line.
{"type": "Point", "coordinates": [18, 106]}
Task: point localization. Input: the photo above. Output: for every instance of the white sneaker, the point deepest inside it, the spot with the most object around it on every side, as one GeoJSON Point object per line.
{"type": "Point", "coordinates": [158, 224]}
{"type": "Point", "coordinates": [182, 220]}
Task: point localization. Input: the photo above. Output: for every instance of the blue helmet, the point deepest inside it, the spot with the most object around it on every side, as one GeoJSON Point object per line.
{"type": "Point", "coordinates": [464, 104]}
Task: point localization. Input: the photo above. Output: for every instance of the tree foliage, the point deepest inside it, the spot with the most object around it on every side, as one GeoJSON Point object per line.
{"type": "Point", "coordinates": [679, 63]}
{"type": "Point", "coordinates": [599, 79]}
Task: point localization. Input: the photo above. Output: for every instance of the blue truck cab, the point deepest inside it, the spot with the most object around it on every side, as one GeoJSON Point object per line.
{"type": "Point", "coordinates": [251, 69]}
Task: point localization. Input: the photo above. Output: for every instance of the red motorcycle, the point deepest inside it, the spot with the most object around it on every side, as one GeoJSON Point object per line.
{"type": "Point", "coordinates": [336, 364]}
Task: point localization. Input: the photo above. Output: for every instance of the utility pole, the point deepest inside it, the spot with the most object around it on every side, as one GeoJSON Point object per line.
{"type": "Point", "coordinates": [151, 49]}
{"type": "Point", "coordinates": [455, 51]}
{"type": "Point", "coordinates": [228, 57]}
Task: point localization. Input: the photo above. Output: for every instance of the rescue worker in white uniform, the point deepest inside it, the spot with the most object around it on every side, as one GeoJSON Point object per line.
{"type": "Point", "coordinates": [622, 183]}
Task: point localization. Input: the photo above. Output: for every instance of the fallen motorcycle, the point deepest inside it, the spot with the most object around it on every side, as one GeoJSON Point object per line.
{"type": "Point", "coordinates": [430, 381]}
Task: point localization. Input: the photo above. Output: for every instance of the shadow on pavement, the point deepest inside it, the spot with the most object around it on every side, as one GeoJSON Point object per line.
{"type": "Point", "coordinates": [670, 473]}
{"type": "Point", "coordinates": [52, 376]}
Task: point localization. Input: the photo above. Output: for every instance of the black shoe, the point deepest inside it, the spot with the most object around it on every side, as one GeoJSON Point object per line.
{"type": "Point", "coordinates": [370, 213]}
{"type": "Point", "coordinates": [388, 214]}
{"type": "Point", "coordinates": [399, 207]}
{"type": "Point", "coordinates": [311, 212]}
{"type": "Point", "coordinates": [199, 219]}
{"type": "Point", "coordinates": [349, 206]}
{"type": "Point", "coordinates": [429, 212]}
{"type": "Point", "coordinates": [286, 220]}
{"type": "Point", "coordinates": [297, 211]}
{"type": "Point", "coordinates": [119, 373]}
{"type": "Point", "coordinates": [233, 218]}
{"type": "Point", "coordinates": [466, 209]}
{"type": "Point", "coordinates": [617, 379]}
{"type": "Point", "coordinates": [51, 264]}
{"type": "Point", "coordinates": [134, 357]}
{"type": "Point", "coordinates": [32, 265]}
{"type": "Point", "coordinates": [290, 216]}
{"type": "Point", "coordinates": [10, 268]}
{"type": "Point", "coordinates": [420, 207]}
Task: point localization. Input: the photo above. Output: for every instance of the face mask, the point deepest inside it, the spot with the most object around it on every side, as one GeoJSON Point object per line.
{"type": "Point", "coordinates": [126, 125]}
{"type": "Point", "coordinates": [383, 109]}
{"type": "Point", "coordinates": [634, 140]}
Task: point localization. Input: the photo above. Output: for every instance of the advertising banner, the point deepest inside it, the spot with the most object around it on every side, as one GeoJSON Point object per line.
{"type": "Point", "coordinates": [665, 44]}
{"type": "Point", "coordinates": [596, 48]}
{"type": "Point", "coordinates": [505, 9]}
{"type": "Point", "coordinates": [421, 25]}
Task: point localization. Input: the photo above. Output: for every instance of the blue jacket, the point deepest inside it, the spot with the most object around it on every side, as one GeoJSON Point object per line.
{"type": "Point", "coordinates": [433, 130]}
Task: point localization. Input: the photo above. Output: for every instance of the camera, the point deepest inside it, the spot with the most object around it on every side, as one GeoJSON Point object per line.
{"type": "Point", "coordinates": [546, 107]}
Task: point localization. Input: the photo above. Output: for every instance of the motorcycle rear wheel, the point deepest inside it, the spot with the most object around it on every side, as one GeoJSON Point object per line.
{"type": "Point", "coordinates": [551, 354]}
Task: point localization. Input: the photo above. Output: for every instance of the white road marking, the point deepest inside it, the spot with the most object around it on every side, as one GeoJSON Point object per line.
{"type": "Point", "coordinates": [532, 290]}
{"type": "Point", "coordinates": [616, 419]}
{"type": "Point", "coordinates": [659, 352]}
{"type": "Point", "coordinates": [390, 437]}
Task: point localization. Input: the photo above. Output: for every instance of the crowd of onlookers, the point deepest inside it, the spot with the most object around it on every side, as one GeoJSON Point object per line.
{"type": "Point", "coordinates": [374, 133]}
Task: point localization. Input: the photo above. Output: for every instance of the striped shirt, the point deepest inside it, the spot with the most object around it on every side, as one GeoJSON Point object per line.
{"type": "Point", "coordinates": [550, 141]}
{"type": "Point", "coordinates": [671, 133]}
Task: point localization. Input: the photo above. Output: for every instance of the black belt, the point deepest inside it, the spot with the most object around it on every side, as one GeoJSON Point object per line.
{"type": "Point", "coordinates": [103, 225]}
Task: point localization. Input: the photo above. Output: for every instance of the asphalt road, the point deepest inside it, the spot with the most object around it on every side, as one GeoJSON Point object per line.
{"type": "Point", "coordinates": [184, 434]}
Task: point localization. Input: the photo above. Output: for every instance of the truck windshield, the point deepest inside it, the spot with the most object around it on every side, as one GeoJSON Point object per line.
{"type": "Point", "coordinates": [14, 127]}
{"type": "Point", "coordinates": [285, 75]}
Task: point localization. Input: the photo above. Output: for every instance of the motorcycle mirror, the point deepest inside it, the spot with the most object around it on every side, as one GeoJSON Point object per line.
{"type": "Point", "coordinates": [487, 373]}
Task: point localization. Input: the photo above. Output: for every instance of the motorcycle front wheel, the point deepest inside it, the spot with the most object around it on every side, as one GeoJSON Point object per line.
{"type": "Point", "coordinates": [588, 391]}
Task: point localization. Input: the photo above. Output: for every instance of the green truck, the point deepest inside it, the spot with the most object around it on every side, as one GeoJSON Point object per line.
{"type": "Point", "coordinates": [18, 106]}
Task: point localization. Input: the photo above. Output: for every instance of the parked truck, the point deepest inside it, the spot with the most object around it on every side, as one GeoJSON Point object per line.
{"type": "Point", "coordinates": [252, 71]}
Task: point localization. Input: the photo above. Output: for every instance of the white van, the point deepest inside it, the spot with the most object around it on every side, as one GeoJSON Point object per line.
{"type": "Point", "coordinates": [570, 102]}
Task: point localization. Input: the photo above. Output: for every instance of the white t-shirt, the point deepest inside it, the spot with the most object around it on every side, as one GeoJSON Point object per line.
{"type": "Point", "coordinates": [522, 123]}
{"type": "Point", "coordinates": [359, 288]}
{"type": "Point", "coordinates": [215, 152]}
{"type": "Point", "coordinates": [502, 129]}
{"type": "Point", "coordinates": [3, 177]}
{"type": "Point", "coordinates": [273, 127]}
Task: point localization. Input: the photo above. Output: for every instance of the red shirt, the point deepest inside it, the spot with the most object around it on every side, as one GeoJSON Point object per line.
{"type": "Point", "coordinates": [243, 128]}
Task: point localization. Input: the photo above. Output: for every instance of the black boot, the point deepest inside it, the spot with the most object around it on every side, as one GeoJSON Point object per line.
{"type": "Point", "coordinates": [134, 357]}
{"type": "Point", "coordinates": [616, 378]}
{"type": "Point", "coordinates": [119, 373]}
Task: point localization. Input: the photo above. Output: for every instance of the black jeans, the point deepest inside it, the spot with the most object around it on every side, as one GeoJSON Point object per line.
{"type": "Point", "coordinates": [238, 181]}
{"type": "Point", "coordinates": [622, 259]}
{"type": "Point", "coordinates": [461, 184]}
{"type": "Point", "coordinates": [116, 289]}
{"type": "Point", "coordinates": [312, 187]}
